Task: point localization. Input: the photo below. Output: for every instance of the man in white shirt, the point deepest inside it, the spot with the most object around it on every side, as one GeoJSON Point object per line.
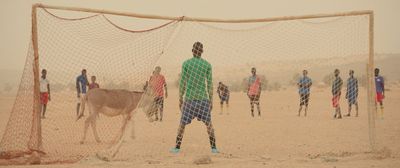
{"type": "Point", "coordinates": [44, 92]}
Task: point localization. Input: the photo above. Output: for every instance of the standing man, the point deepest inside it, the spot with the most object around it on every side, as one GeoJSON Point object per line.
{"type": "Point", "coordinates": [380, 90]}
{"type": "Point", "coordinates": [223, 93]}
{"type": "Point", "coordinates": [157, 83]}
{"type": "Point", "coordinates": [44, 92]}
{"type": "Point", "coordinates": [304, 85]}
{"type": "Point", "coordinates": [196, 95]}
{"type": "Point", "coordinates": [81, 88]}
{"type": "Point", "coordinates": [254, 91]}
{"type": "Point", "coordinates": [352, 92]}
{"type": "Point", "coordinates": [336, 92]}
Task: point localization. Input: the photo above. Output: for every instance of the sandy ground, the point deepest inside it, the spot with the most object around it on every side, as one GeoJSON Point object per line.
{"type": "Point", "coordinates": [279, 138]}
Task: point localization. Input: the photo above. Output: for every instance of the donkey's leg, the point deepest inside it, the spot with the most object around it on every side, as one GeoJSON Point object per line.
{"type": "Point", "coordinates": [87, 122]}
{"type": "Point", "coordinates": [90, 120]}
{"type": "Point", "coordinates": [93, 123]}
{"type": "Point", "coordinates": [94, 112]}
{"type": "Point", "coordinates": [120, 133]}
{"type": "Point", "coordinates": [132, 128]}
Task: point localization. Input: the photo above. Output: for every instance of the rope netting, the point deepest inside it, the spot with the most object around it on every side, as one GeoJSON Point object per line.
{"type": "Point", "coordinates": [242, 65]}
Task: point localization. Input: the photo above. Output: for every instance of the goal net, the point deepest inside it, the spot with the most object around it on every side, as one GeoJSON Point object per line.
{"type": "Point", "coordinates": [256, 66]}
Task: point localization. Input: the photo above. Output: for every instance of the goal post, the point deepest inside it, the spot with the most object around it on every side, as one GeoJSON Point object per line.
{"type": "Point", "coordinates": [35, 142]}
{"type": "Point", "coordinates": [369, 13]}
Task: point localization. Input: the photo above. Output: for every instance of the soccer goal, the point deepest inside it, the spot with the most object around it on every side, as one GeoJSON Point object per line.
{"type": "Point", "coordinates": [66, 40]}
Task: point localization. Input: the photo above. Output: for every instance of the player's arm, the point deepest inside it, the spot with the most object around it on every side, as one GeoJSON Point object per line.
{"type": "Point", "coordinates": [356, 83]}
{"type": "Point", "coordinates": [347, 88]}
{"type": "Point", "coordinates": [78, 88]}
{"type": "Point", "coordinates": [335, 88]}
{"type": "Point", "coordinates": [340, 85]}
{"type": "Point", "coordinates": [87, 81]}
{"type": "Point", "coordinates": [166, 90]}
{"type": "Point", "coordinates": [209, 83]}
{"type": "Point", "coordinates": [48, 90]}
{"type": "Point", "coordinates": [182, 84]}
{"type": "Point", "coordinates": [298, 84]}
{"type": "Point", "coordinates": [259, 87]}
{"type": "Point", "coordinates": [383, 87]}
{"type": "Point", "coordinates": [248, 85]}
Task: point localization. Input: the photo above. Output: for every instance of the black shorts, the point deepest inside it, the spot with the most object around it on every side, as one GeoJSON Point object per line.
{"type": "Point", "coordinates": [199, 109]}
{"type": "Point", "coordinates": [304, 99]}
{"type": "Point", "coordinates": [254, 98]}
{"type": "Point", "coordinates": [224, 98]}
{"type": "Point", "coordinates": [159, 102]}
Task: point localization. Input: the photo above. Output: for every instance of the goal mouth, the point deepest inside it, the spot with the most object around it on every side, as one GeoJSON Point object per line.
{"type": "Point", "coordinates": [279, 48]}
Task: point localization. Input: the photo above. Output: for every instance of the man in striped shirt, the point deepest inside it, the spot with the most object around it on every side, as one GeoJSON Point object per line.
{"type": "Point", "coordinates": [304, 85]}
{"type": "Point", "coordinates": [336, 92]}
{"type": "Point", "coordinates": [223, 93]}
{"type": "Point", "coordinates": [352, 92]}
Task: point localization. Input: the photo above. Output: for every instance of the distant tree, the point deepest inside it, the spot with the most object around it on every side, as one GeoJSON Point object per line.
{"type": "Point", "coordinates": [236, 86]}
{"type": "Point", "coordinates": [71, 86]}
{"type": "Point", "coordinates": [276, 86]}
{"type": "Point", "coordinates": [295, 79]}
{"type": "Point", "coordinates": [244, 84]}
{"type": "Point", "coordinates": [111, 85]}
{"type": "Point", "coordinates": [57, 87]}
{"type": "Point", "coordinates": [327, 79]}
{"type": "Point", "coordinates": [363, 81]}
{"type": "Point", "coordinates": [264, 82]}
{"type": "Point", "coordinates": [7, 87]}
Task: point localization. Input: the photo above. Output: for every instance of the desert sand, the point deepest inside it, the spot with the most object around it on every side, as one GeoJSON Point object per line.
{"type": "Point", "coordinates": [279, 138]}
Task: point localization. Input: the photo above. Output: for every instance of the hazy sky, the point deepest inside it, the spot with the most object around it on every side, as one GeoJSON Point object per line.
{"type": "Point", "coordinates": [15, 17]}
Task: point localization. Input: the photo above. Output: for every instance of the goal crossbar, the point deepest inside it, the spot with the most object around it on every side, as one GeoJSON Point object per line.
{"type": "Point", "coordinates": [199, 19]}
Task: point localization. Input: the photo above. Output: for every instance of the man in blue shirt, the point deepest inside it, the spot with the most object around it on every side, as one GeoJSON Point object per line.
{"type": "Point", "coordinates": [304, 85]}
{"type": "Point", "coordinates": [380, 90]}
{"type": "Point", "coordinates": [81, 88]}
{"type": "Point", "coordinates": [352, 92]}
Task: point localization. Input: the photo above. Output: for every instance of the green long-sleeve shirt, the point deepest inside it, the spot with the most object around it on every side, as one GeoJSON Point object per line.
{"type": "Point", "coordinates": [196, 80]}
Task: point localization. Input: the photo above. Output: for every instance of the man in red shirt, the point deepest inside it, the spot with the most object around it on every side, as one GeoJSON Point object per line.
{"type": "Point", "coordinates": [157, 84]}
{"type": "Point", "coordinates": [254, 91]}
